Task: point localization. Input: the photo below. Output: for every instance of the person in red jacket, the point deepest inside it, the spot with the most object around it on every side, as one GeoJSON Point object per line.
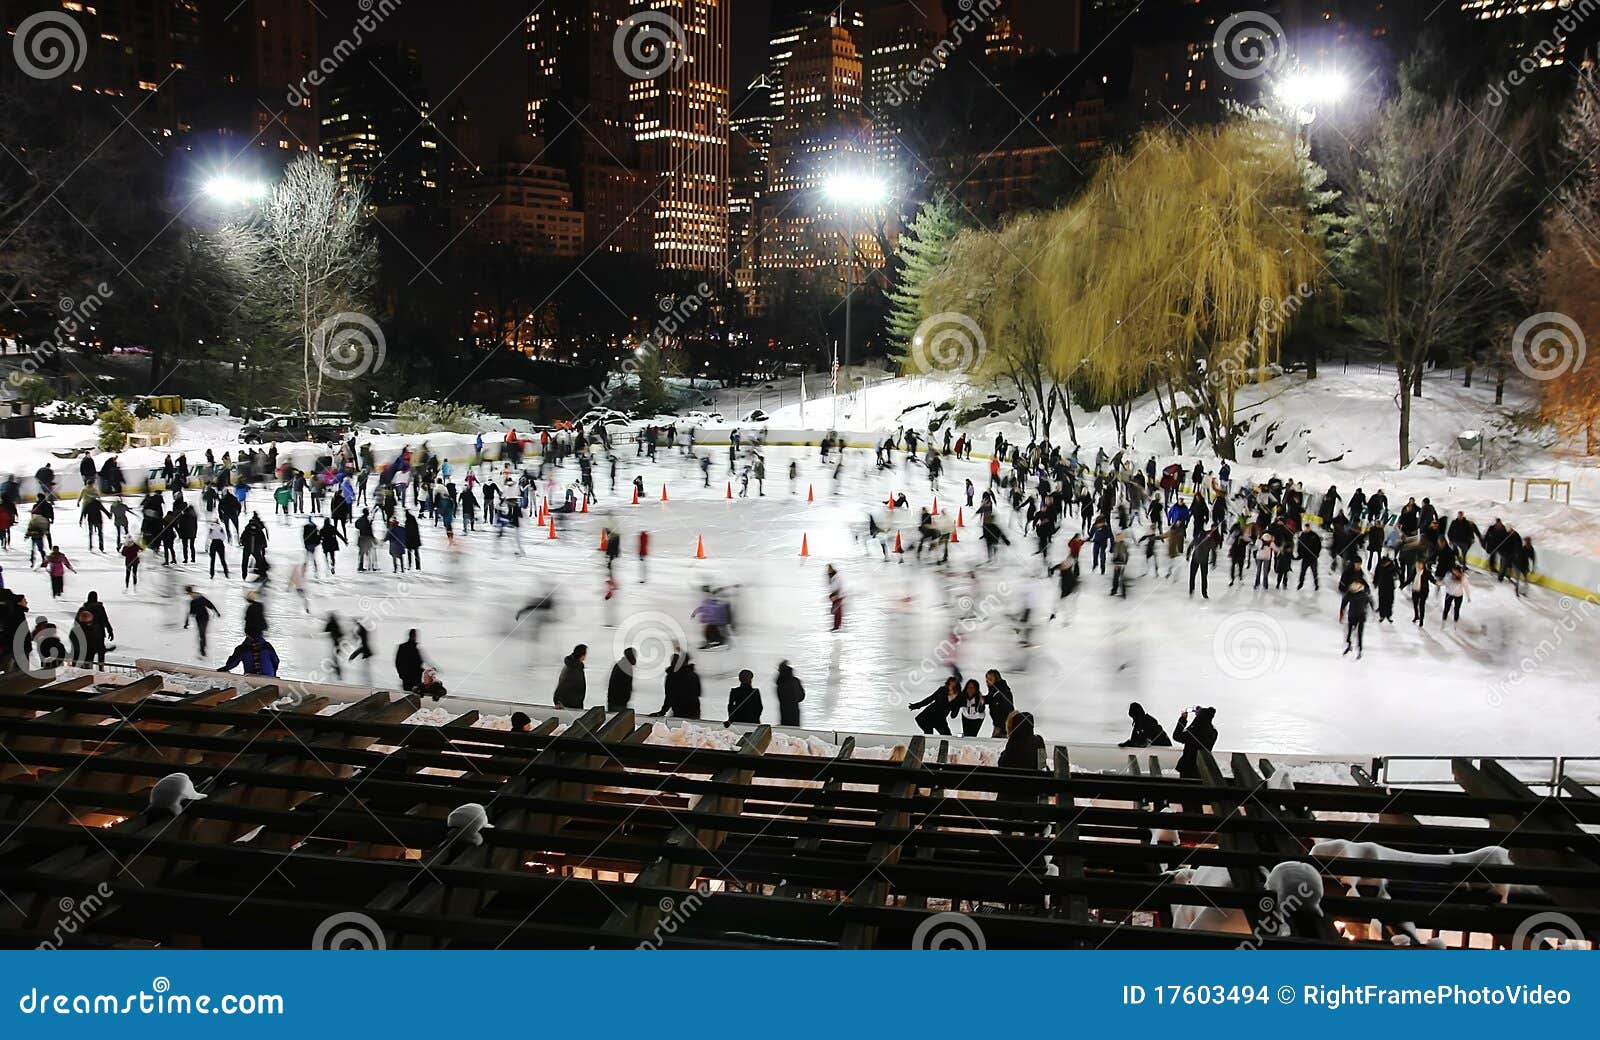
{"type": "Point", "coordinates": [644, 553]}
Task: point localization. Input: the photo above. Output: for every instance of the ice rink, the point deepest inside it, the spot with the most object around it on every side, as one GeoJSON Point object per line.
{"type": "Point", "coordinates": [1514, 677]}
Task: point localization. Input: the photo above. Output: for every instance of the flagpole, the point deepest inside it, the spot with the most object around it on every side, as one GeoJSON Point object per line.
{"type": "Point", "coordinates": [835, 424]}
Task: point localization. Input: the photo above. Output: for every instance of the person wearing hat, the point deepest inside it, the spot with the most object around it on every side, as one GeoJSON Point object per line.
{"type": "Point", "coordinates": [1147, 732]}
{"type": "Point", "coordinates": [790, 693]}
{"type": "Point", "coordinates": [744, 700]}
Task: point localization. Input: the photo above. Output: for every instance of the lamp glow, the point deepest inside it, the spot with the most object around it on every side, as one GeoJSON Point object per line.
{"type": "Point", "coordinates": [856, 189]}
{"type": "Point", "coordinates": [229, 190]}
{"type": "Point", "coordinates": [1306, 89]}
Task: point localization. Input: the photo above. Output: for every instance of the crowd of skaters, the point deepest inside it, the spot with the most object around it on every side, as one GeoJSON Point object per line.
{"type": "Point", "coordinates": [1177, 515]}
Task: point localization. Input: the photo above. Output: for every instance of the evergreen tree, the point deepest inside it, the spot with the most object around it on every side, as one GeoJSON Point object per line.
{"type": "Point", "coordinates": [922, 253]}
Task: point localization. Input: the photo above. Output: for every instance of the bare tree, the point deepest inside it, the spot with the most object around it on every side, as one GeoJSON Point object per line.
{"type": "Point", "coordinates": [323, 261]}
{"type": "Point", "coordinates": [1428, 188]}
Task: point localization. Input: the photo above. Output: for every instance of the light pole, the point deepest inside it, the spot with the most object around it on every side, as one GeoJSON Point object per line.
{"type": "Point", "coordinates": [851, 193]}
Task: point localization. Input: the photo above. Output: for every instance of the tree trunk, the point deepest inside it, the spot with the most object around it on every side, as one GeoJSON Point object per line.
{"type": "Point", "coordinates": [1405, 417]}
{"type": "Point", "coordinates": [1500, 387]}
{"type": "Point", "coordinates": [1311, 358]}
{"type": "Point", "coordinates": [1066, 410]}
{"type": "Point", "coordinates": [1416, 383]}
{"type": "Point", "coordinates": [158, 362]}
{"type": "Point", "coordinates": [1467, 382]}
{"type": "Point", "coordinates": [1177, 426]}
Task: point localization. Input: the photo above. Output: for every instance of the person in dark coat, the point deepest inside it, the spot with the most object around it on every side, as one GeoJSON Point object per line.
{"type": "Point", "coordinates": [408, 662]}
{"type": "Point", "coordinates": [935, 711]}
{"type": "Point", "coordinates": [1386, 577]}
{"type": "Point", "coordinates": [682, 686]}
{"type": "Point", "coordinates": [570, 686]}
{"type": "Point", "coordinates": [1353, 607]}
{"type": "Point", "coordinates": [1022, 744]}
{"type": "Point", "coordinates": [790, 694]}
{"type": "Point", "coordinates": [1001, 702]}
{"type": "Point", "coordinates": [619, 689]}
{"type": "Point", "coordinates": [1147, 732]}
{"type": "Point", "coordinates": [744, 700]}
{"type": "Point", "coordinates": [1200, 733]}
{"type": "Point", "coordinates": [97, 632]}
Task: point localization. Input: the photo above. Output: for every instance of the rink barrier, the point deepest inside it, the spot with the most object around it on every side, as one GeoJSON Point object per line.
{"type": "Point", "coordinates": [1108, 758]}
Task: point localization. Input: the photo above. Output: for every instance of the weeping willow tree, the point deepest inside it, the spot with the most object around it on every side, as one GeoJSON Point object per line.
{"type": "Point", "coordinates": [1180, 270]}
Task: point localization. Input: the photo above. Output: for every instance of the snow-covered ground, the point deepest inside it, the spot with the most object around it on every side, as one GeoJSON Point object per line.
{"type": "Point", "coordinates": [1338, 429]}
{"type": "Point", "coordinates": [1269, 661]}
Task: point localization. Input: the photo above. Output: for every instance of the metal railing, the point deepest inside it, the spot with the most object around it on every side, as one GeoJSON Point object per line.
{"type": "Point", "coordinates": [1551, 773]}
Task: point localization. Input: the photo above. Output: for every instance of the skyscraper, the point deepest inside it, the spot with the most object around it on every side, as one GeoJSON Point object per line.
{"type": "Point", "coordinates": [823, 132]}
{"type": "Point", "coordinates": [578, 106]}
{"type": "Point", "coordinates": [377, 128]}
{"type": "Point", "coordinates": [902, 45]}
{"type": "Point", "coordinates": [792, 20]}
{"type": "Point", "coordinates": [681, 112]}
{"type": "Point", "coordinates": [252, 90]}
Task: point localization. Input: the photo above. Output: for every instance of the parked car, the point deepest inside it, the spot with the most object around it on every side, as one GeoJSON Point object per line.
{"type": "Point", "coordinates": [280, 428]}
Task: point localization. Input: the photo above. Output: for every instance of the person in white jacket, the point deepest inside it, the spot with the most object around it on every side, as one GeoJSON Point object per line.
{"type": "Point", "coordinates": [1456, 588]}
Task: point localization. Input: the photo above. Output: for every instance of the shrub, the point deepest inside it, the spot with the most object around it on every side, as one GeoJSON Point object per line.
{"type": "Point", "coordinates": [116, 422]}
{"type": "Point", "coordinates": [419, 417]}
{"type": "Point", "coordinates": [33, 388]}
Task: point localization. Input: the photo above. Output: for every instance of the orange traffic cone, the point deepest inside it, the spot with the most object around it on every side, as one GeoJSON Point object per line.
{"type": "Point", "coordinates": [955, 537]}
{"type": "Point", "coordinates": [585, 508]}
{"type": "Point", "coordinates": [805, 546]}
{"type": "Point", "coordinates": [636, 495]}
{"type": "Point", "coordinates": [897, 546]}
{"type": "Point", "coordinates": [959, 521]}
{"type": "Point", "coordinates": [811, 493]}
{"type": "Point", "coordinates": [936, 505]}
{"type": "Point", "coordinates": [552, 529]}
{"type": "Point", "coordinates": [663, 492]}
{"type": "Point", "coordinates": [730, 489]}
{"type": "Point", "coordinates": [891, 502]}
{"type": "Point", "coordinates": [700, 547]}
{"type": "Point", "coordinates": [605, 542]}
